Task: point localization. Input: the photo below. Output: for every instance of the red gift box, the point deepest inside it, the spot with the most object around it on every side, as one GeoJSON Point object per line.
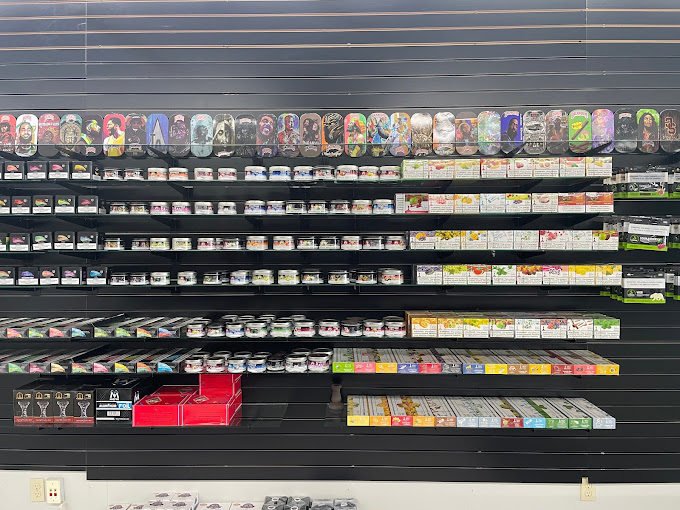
{"type": "Point", "coordinates": [219, 384]}
{"type": "Point", "coordinates": [170, 389]}
{"type": "Point", "coordinates": [158, 410]}
{"type": "Point", "coordinates": [202, 410]}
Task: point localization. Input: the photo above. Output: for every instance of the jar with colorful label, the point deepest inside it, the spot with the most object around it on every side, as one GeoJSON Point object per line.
{"type": "Point", "coordinates": [389, 276]}
{"type": "Point", "coordinates": [323, 173]}
{"type": "Point", "coordinates": [257, 243]}
{"type": "Point", "coordinates": [193, 366]}
{"type": "Point", "coordinates": [182, 208]}
{"type": "Point", "coordinates": [181, 243]}
{"type": "Point", "coordinates": [296, 207]}
{"type": "Point", "coordinates": [256, 329]}
{"type": "Point", "coordinates": [304, 329]}
{"type": "Point", "coordinates": [255, 207]}
{"type": "Point", "coordinates": [134, 174]}
{"type": "Point", "coordinates": [347, 173]}
{"type": "Point", "coordinates": [187, 278]}
{"type": "Point", "coordinates": [157, 174]}
{"type": "Point", "coordinates": [340, 207]}
{"type": "Point", "coordinates": [206, 244]}
{"type": "Point", "coordinates": [160, 244]}
{"type": "Point", "coordinates": [263, 277]}
{"type": "Point", "coordinates": [396, 242]}
{"type": "Point", "coordinates": [236, 365]}
{"type": "Point", "coordinates": [373, 243]}
{"type": "Point", "coordinates": [288, 277]}
{"type": "Point", "coordinates": [226, 208]}
{"type": "Point", "coordinates": [139, 279]}
{"type": "Point", "coordinates": [213, 278]}
{"type": "Point", "coordinates": [113, 174]}
{"type": "Point", "coordinates": [368, 173]}
{"type": "Point", "coordinates": [276, 207]}
{"type": "Point", "coordinates": [203, 208]}
{"type": "Point", "coordinates": [178, 174]}
{"type": "Point", "coordinates": [329, 243]}
{"type": "Point", "coordinates": [283, 243]}
{"type": "Point", "coordinates": [196, 330]}
{"type": "Point", "coordinates": [215, 365]}
{"type": "Point", "coordinates": [303, 173]}
{"type": "Point", "coordinates": [395, 327]}
{"type": "Point", "coordinates": [226, 174]}
{"type": "Point", "coordinates": [296, 364]}
{"type": "Point", "coordinates": [241, 277]}
{"type": "Point", "coordinates": [351, 243]}
{"type": "Point", "coordinates": [233, 243]}
{"type": "Point", "coordinates": [351, 328]}
{"type": "Point", "coordinates": [329, 328]}
{"type": "Point", "coordinates": [366, 277]}
{"type": "Point", "coordinates": [139, 208]}
{"type": "Point", "coordinates": [374, 328]}
{"type": "Point", "coordinates": [383, 206]}
{"type": "Point", "coordinates": [318, 207]}
{"type": "Point", "coordinates": [118, 279]}
{"type": "Point", "coordinates": [119, 208]}
{"type": "Point", "coordinates": [306, 243]}
{"type": "Point", "coordinates": [281, 329]}
{"type": "Point", "coordinates": [362, 207]}
{"type": "Point", "coordinates": [318, 363]}
{"type": "Point", "coordinates": [276, 364]}
{"type": "Point", "coordinates": [280, 173]}
{"type": "Point", "coordinates": [257, 365]}
{"type": "Point", "coordinates": [216, 330]}
{"type": "Point", "coordinates": [390, 173]}
{"type": "Point", "coordinates": [141, 244]}
{"type": "Point", "coordinates": [160, 278]}
{"type": "Point", "coordinates": [113, 244]}
{"type": "Point", "coordinates": [256, 173]}
{"type": "Point", "coordinates": [160, 208]}
{"type": "Point", "coordinates": [234, 330]}
{"type": "Point", "coordinates": [204, 174]}
{"type": "Point", "coordinates": [338, 277]}
{"type": "Point", "coordinates": [311, 276]}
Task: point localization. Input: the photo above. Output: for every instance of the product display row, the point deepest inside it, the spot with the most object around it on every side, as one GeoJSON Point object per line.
{"type": "Point", "coordinates": [647, 233]}
{"type": "Point", "coordinates": [403, 203]}
{"type": "Point", "coordinates": [480, 412]}
{"type": "Point", "coordinates": [650, 285]}
{"type": "Point", "coordinates": [355, 134]}
{"type": "Point", "coordinates": [534, 274]}
{"type": "Point", "coordinates": [658, 181]}
{"type": "Point", "coordinates": [524, 325]}
{"type": "Point", "coordinates": [440, 360]}
{"type": "Point", "coordinates": [190, 501]}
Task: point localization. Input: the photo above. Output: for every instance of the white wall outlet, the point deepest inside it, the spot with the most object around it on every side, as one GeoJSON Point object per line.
{"type": "Point", "coordinates": [37, 490]}
{"type": "Point", "coordinates": [587, 490]}
{"type": "Point", "coordinates": [55, 491]}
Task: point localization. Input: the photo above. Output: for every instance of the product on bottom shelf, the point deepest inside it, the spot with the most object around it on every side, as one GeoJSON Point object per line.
{"type": "Point", "coordinates": [476, 412]}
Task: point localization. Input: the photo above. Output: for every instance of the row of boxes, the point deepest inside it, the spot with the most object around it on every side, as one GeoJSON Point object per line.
{"type": "Point", "coordinates": [40, 170]}
{"type": "Point", "coordinates": [501, 168]}
{"type": "Point", "coordinates": [543, 325]}
{"type": "Point", "coordinates": [51, 204]}
{"type": "Point", "coordinates": [558, 240]}
{"type": "Point", "coordinates": [511, 274]}
{"type": "Point", "coordinates": [504, 203]}
{"type": "Point", "coordinates": [476, 412]}
{"type": "Point", "coordinates": [190, 501]}
{"type": "Point", "coordinates": [439, 360]}
{"type": "Point", "coordinates": [40, 241]}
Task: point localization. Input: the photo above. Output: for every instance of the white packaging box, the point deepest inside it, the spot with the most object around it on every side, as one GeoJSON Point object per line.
{"type": "Point", "coordinates": [473, 412]}
{"type": "Point", "coordinates": [450, 327]}
{"type": "Point", "coordinates": [521, 168]}
{"type": "Point", "coordinates": [605, 240]}
{"type": "Point", "coordinates": [555, 275]}
{"type": "Point", "coordinates": [526, 240]}
{"type": "Point", "coordinates": [580, 240]}
{"type": "Point", "coordinates": [547, 167]}
{"type": "Point", "coordinates": [582, 274]}
{"type": "Point", "coordinates": [580, 328]}
{"type": "Point", "coordinates": [573, 167]}
{"type": "Point", "coordinates": [422, 239]}
{"type": "Point", "coordinates": [492, 203]}
{"type": "Point", "coordinates": [544, 202]}
{"type": "Point", "coordinates": [430, 274]}
{"type": "Point", "coordinates": [527, 327]}
{"type": "Point", "coordinates": [479, 274]}
{"type": "Point", "coordinates": [554, 327]}
{"type": "Point", "coordinates": [476, 326]}
{"type": "Point", "coordinates": [466, 203]}
{"type": "Point", "coordinates": [501, 240]}
{"type": "Point", "coordinates": [504, 274]}
{"type": "Point", "coordinates": [530, 275]}
{"type": "Point", "coordinates": [455, 274]}
{"type": "Point", "coordinates": [442, 168]}
{"type": "Point", "coordinates": [598, 166]}
{"type": "Point", "coordinates": [601, 420]}
{"type": "Point", "coordinates": [415, 169]}
{"type": "Point", "coordinates": [447, 240]}
{"type": "Point", "coordinates": [553, 240]}
{"type": "Point", "coordinates": [517, 203]}
{"type": "Point", "coordinates": [600, 201]}
{"type": "Point", "coordinates": [474, 240]}
{"type": "Point", "coordinates": [608, 274]}
{"type": "Point", "coordinates": [510, 417]}
{"type": "Point", "coordinates": [532, 418]}
{"type": "Point", "coordinates": [495, 168]}
{"type": "Point", "coordinates": [571, 203]}
{"type": "Point", "coordinates": [441, 203]}
{"type": "Point", "coordinates": [502, 327]}
{"type": "Point", "coordinates": [468, 169]}
{"type": "Point", "coordinates": [606, 328]}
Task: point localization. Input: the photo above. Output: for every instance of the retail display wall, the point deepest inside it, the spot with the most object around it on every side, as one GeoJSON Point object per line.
{"type": "Point", "coordinates": [287, 430]}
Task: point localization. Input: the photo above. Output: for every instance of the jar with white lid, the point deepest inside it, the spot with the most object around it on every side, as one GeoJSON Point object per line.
{"type": "Point", "coordinates": [303, 173]}
{"type": "Point", "coordinates": [187, 278]}
{"type": "Point", "coordinates": [340, 207]}
{"type": "Point", "coordinates": [395, 328]}
{"type": "Point", "coordinates": [323, 173]}
{"type": "Point", "coordinates": [203, 208]}
{"type": "Point", "coordinates": [374, 328]}
{"type": "Point", "coordinates": [280, 173]}
{"type": "Point", "coordinates": [139, 279]}
{"type": "Point", "coordinates": [351, 328]}
{"type": "Point", "coordinates": [256, 329]}
{"type": "Point", "coordinates": [114, 244]}
{"type": "Point", "coordinates": [276, 207]}
{"type": "Point", "coordinates": [160, 278]}
{"type": "Point", "coordinates": [118, 279]}
{"type": "Point", "coordinates": [304, 329]}
{"type": "Point", "coordinates": [234, 330]}
{"type": "Point", "coordinates": [329, 328]}
{"type": "Point", "coordinates": [178, 174]}
{"type": "Point", "coordinates": [283, 243]}
{"type": "Point", "coordinates": [362, 207]}
{"type": "Point", "coordinates": [232, 243]}
{"type": "Point", "coordinates": [226, 174]}
{"type": "Point", "coordinates": [182, 208]}
{"type": "Point", "coordinates": [296, 363]}
{"type": "Point", "coordinates": [395, 242]}
{"type": "Point", "coordinates": [157, 174]}
{"type": "Point", "coordinates": [141, 244]}
{"type": "Point", "coordinates": [113, 174]}
{"type": "Point", "coordinates": [159, 244]}
{"type": "Point", "coordinates": [214, 278]}
{"type": "Point", "coordinates": [226, 208]}
{"type": "Point", "coordinates": [311, 276]}
{"type": "Point", "coordinates": [139, 208]}
{"type": "Point", "coordinates": [368, 173]}
{"type": "Point", "coordinates": [383, 206]}
{"type": "Point", "coordinates": [296, 207]}
{"type": "Point", "coordinates": [160, 208]}
{"type": "Point", "coordinates": [281, 329]}
{"type": "Point", "coordinates": [366, 277]}
{"type": "Point", "coordinates": [204, 174]}
{"type": "Point", "coordinates": [181, 243]}
{"type": "Point", "coordinates": [338, 277]}
{"type": "Point", "coordinates": [206, 244]}
{"type": "Point", "coordinates": [256, 173]}
{"type": "Point", "coordinates": [240, 277]}
{"type": "Point", "coordinates": [119, 208]}
{"type": "Point", "coordinates": [318, 207]}
{"type": "Point", "coordinates": [347, 173]}
{"type": "Point", "coordinates": [351, 243]}
{"type": "Point", "coordinates": [255, 207]}
{"type": "Point", "coordinates": [390, 173]}
{"type": "Point", "coordinates": [288, 277]}
{"type": "Point", "coordinates": [306, 243]}
{"type": "Point", "coordinates": [257, 243]}
{"type": "Point", "coordinates": [329, 243]}
{"type": "Point", "coordinates": [389, 276]}
{"type": "Point", "coordinates": [263, 277]}
{"type": "Point", "coordinates": [373, 243]}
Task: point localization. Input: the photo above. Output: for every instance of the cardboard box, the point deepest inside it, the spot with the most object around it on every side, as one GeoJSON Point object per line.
{"type": "Point", "coordinates": [526, 240]}
{"type": "Point", "coordinates": [495, 168]}
{"type": "Point", "coordinates": [555, 275]}
{"type": "Point", "coordinates": [411, 203]}
{"type": "Point", "coordinates": [492, 364]}
{"type": "Point", "coordinates": [476, 326]}
{"type": "Point", "coordinates": [14, 170]}
{"type": "Point", "coordinates": [406, 362]}
{"type": "Point", "coordinates": [343, 360]}
{"type": "Point", "coordinates": [357, 411]}
{"type": "Point", "coordinates": [455, 274]}
{"type": "Point", "coordinates": [82, 170]}
{"type": "Point", "coordinates": [21, 205]}
{"type": "Point", "coordinates": [553, 418]}
{"type": "Point", "coordinates": [546, 167]}
{"type": "Point", "coordinates": [422, 239]}
{"type": "Point", "coordinates": [581, 240]}
{"type": "Point", "coordinates": [423, 325]}
{"type": "Point", "coordinates": [554, 328]}
{"type": "Point", "coordinates": [606, 328]}
{"type": "Point", "coordinates": [577, 418]}
{"type": "Point", "coordinates": [36, 170]}
{"type": "Point", "coordinates": [605, 240]}
{"type": "Point", "coordinates": [419, 409]}
{"type": "Point", "coordinates": [581, 275]}
{"type": "Point", "coordinates": [449, 326]}
{"type": "Point", "coordinates": [385, 361]}
{"type": "Point", "coordinates": [581, 366]}
{"type": "Point", "coordinates": [502, 327]}
{"type": "Point", "coordinates": [379, 411]}
{"type": "Point", "coordinates": [415, 169]}
{"type": "Point", "coordinates": [58, 169]}
{"type": "Point", "coordinates": [211, 410]}
{"type": "Point", "coordinates": [557, 365]}
{"type": "Point", "coordinates": [492, 203]}
{"type": "Point", "coordinates": [442, 168]}
{"type": "Point", "coordinates": [468, 169]}
{"type": "Point", "coordinates": [600, 419]}
{"type": "Point", "coordinates": [429, 274]}
{"type": "Point", "coordinates": [447, 240]}
{"type": "Point", "coordinates": [517, 203]}
{"type": "Point", "coordinates": [158, 411]}
{"type": "Point", "coordinates": [449, 362]}
{"type": "Point", "coordinates": [516, 366]}
{"type": "Point", "coordinates": [479, 274]}
{"type": "Point", "coordinates": [501, 240]}
{"type": "Point", "coordinates": [476, 407]}
{"type": "Point", "coordinates": [64, 204]}
{"type": "Point", "coordinates": [521, 168]}
{"type": "Point", "coordinates": [571, 203]}
{"type": "Point", "coordinates": [474, 240]}
{"type": "Point", "coordinates": [364, 360]}
{"type": "Point", "coordinates": [466, 203]}
{"type": "Point", "coordinates": [527, 327]}
{"type": "Point", "coordinates": [219, 384]}
{"type": "Point", "coordinates": [599, 201]}
{"type": "Point", "coordinates": [530, 275]}
{"type": "Point", "coordinates": [573, 167]}
{"type": "Point", "coordinates": [42, 204]}
{"type": "Point", "coordinates": [580, 328]}
{"type": "Point", "coordinates": [555, 240]}
{"type": "Point", "coordinates": [544, 202]}
{"type": "Point", "coordinates": [603, 366]}
{"type": "Point", "coordinates": [510, 417]}
{"type": "Point", "coordinates": [443, 415]}
{"type": "Point", "coordinates": [598, 166]}
{"type": "Point", "coordinates": [441, 203]}
{"type": "Point", "coordinates": [400, 411]}
{"type": "Point", "coordinates": [470, 365]}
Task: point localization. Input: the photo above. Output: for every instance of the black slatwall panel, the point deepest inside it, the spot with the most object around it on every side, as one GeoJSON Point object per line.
{"type": "Point", "coordinates": [320, 55]}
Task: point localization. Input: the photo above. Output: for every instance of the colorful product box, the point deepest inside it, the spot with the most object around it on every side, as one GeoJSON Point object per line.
{"type": "Point", "coordinates": [211, 410]}
{"type": "Point", "coordinates": [537, 365]}
{"type": "Point", "coordinates": [469, 412]}
{"type": "Point", "coordinates": [401, 409]}
{"type": "Point", "coordinates": [385, 361]}
{"type": "Point", "coordinates": [441, 203]}
{"type": "Point", "coordinates": [219, 384]}
{"type": "Point", "coordinates": [517, 203]}
{"type": "Point", "coordinates": [476, 327]}
{"type": "Point", "coordinates": [449, 362]}
{"type": "Point", "coordinates": [447, 240]}
{"type": "Point", "coordinates": [474, 239]}
{"type": "Point", "coordinates": [544, 202]}
{"type": "Point", "coordinates": [58, 169]}
{"type": "Point", "coordinates": [603, 366]}
{"type": "Point", "coordinates": [553, 418]}
{"type": "Point", "coordinates": [343, 360]}
{"type": "Point", "coordinates": [504, 275]}
{"type": "Point", "coordinates": [466, 203]}
{"type": "Point", "coordinates": [429, 274]}
{"type": "Point", "coordinates": [357, 411]}
{"type": "Point", "coordinates": [514, 363]}
{"type": "Point", "coordinates": [415, 169]}
{"type": "Point", "coordinates": [527, 240]}
{"type": "Point", "coordinates": [599, 201]}
{"type": "Point", "coordinates": [555, 275]}
{"type": "Point", "coordinates": [581, 275]}
{"type": "Point", "coordinates": [557, 365]}
{"type": "Point", "coordinates": [577, 418]}
{"type": "Point", "coordinates": [502, 327]}
{"type": "Point", "coordinates": [379, 411]}
{"type": "Point", "coordinates": [493, 365]}
{"type": "Point", "coordinates": [580, 328]}
{"type": "Point", "coordinates": [422, 239]}
{"type": "Point", "coordinates": [608, 274]}
{"type": "Point", "coordinates": [601, 420]}
{"type": "Point", "coordinates": [581, 366]}
{"type": "Point", "coordinates": [606, 328]}
{"type": "Point", "coordinates": [36, 170]}
{"type": "Point", "coordinates": [468, 169]}
{"type": "Point", "coordinates": [406, 362]}
{"type": "Point", "coordinates": [605, 240]}
{"type": "Point", "coordinates": [554, 328]}
{"type": "Point", "coordinates": [571, 203]}
{"type": "Point", "coordinates": [598, 166]}
{"type": "Point", "coordinates": [422, 326]}
{"type": "Point", "coordinates": [495, 168]}
{"type": "Point", "coordinates": [420, 410]}
{"type": "Point", "coordinates": [442, 169]}
{"type": "Point", "coordinates": [573, 167]}
{"type": "Point", "coordinates": [580, 240]}
{"type": "Point", "coordinates": [469, 363]}
{"type": "Point", "coordinates": [443, 415]}
{"type": "Point", "coordinates": [455, 274]}
{"type": "Point", "coordinates": [449, 326]}
{"type": "Point", "coordinates": [547, 167]}
{"type": "Point", "coordinates": [364, 360]}
{"type": "Point", "coordinates": [510, 417]}
{"type": "Point", "coordinates": [479, 274]}
{"type": "Point", "coordinates": [411, 203]}
{"type": "Point", "coordinates": [492, 203]}
{"type": "Point", "coordinates": [501, 240]}
{"type": "Point", "coordinates": [553, 240]}
{"type": "Point", "coordinates": [521, 168]}
{"type": "Point", "coordinates": [527, 327]}
{"type": "Point", "coordinates": [530, 275]}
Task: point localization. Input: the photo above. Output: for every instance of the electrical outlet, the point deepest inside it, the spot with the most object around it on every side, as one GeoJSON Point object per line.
{"type": "Point", "coordinates": [55, 491]}
{"type": "Point", "coordinates": [37, 487]}
{"type": "Point", "coordinates": [587, 490]}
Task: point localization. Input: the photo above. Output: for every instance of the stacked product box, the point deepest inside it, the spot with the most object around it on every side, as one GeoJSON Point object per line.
{"type": "Point", "coordinates": [599, 275]}
{"type": "Point", "coordinates": [49, 403]}
{"type": "Point", "coordinates": [477, 412]}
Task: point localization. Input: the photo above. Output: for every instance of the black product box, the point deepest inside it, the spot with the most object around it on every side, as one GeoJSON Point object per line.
{"type": "Point", "coordinates": [14, 170]}
{"type": "Point", "coordinates": [41, 241]}
{"type": "Point", "coordinates": [65, 204]}
{"type": "Point", "coordinates": [36, 170]}
{"type": "Point", "coordinates": [43, 406]}
{"type": "Point", "coordinates": [87, 241]}
{"type": "Point", "coordinates": [71, 275]}
{"type": "Point", "coordinates": [84, 407]}
{"type": "Point", "coordinates": [43, 204]}
{"type": "Point", "coordinates": [19, 241]}
{"type": "Point", "coordinates": [81, 170]}
{"type": "Point", "coordinates": [88, 204]}
{"type": "Point", "coordinates": [58, 170]}
{"type": "Point", "coordinates": [4, 241]}
{"type": "Point", "coordinates": [114, 402]}
{"type": "Point", "coordinates": [64, 241]}
{"type": "Point", "coordinates": [22, 403]}
{"type": "Point", "coordinates": [49, 275]}
{"type": "Point", "coordinates": [21, 205]}
{"type": "Point", "coordinates": [7, 276]}
{"type": "Point", "coordinates": [64, 406]}
{"type": "Point", "coordinates": [96, 275]}
{"type": "Point", "coordinates": [28, 276]}
{"type": "Point", "coordinates": [5, 204]}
